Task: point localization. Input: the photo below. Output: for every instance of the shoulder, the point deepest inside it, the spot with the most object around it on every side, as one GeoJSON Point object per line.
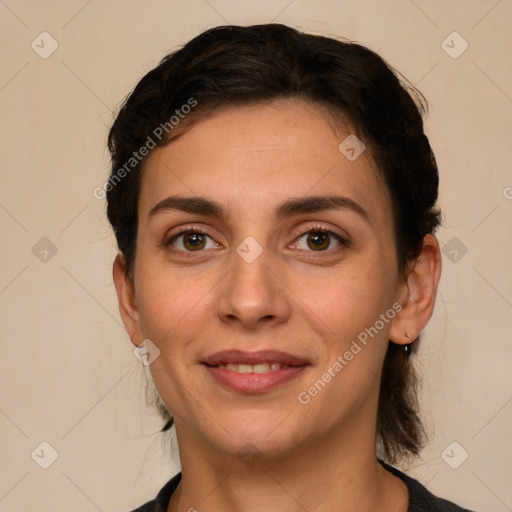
{"type": "Point", "coordinates": [161, 502]}
{"type": "Point", "coordinates": [420, 498]}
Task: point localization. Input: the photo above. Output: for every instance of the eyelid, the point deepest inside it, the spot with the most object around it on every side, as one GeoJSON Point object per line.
{"type": "Point", "coordinates": [318, 226]}
{"type": "Point", "coordinates": [343, 238]}
{"type": "Point", "coordinates": [169, 238]}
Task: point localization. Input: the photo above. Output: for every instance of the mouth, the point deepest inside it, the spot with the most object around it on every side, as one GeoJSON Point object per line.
{"type": "Point", "coordinates": [253, 372]}
{"type": "Point", "coordinates": [252, 368]}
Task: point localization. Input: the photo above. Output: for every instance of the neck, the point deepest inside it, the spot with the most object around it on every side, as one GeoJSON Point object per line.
{"type": "Point", "coordinates": [317, 476]}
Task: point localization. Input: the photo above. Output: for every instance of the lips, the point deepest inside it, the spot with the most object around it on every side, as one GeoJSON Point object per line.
{"type": "Point", "coordinates": [252, 368]}
{"type": "Point", "coordinates": [253, 358]}
{"type": "Point", "coordinates": [253, 372]}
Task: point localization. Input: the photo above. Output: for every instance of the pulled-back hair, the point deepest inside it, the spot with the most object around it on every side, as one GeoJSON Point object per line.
{"type": "Point", "coordinates": [235, 65]}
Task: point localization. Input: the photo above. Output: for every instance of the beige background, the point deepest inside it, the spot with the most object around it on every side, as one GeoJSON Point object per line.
{"type": "Point", "coordinates": [69, 377]}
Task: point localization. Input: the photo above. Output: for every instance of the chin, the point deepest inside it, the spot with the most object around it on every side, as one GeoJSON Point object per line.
{"type": "Point", "coordinates": [257, 433]}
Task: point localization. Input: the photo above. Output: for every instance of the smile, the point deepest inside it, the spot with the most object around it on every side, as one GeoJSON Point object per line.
{"type": "Point", "coordinates": [252, 368]}
{"type": "Point", "coordinates": [253, 372]}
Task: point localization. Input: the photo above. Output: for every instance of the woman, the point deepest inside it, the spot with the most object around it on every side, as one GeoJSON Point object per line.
{"type": "Point", "coordinates": [274, 198]}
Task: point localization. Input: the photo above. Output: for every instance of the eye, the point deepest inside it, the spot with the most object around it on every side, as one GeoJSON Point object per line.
{"type": "Point", "coordinates": [319, 239]}
{"type": "Point", "coordinates": [316, 239]}
{"type": "Point", "coordinates": [191, 240]}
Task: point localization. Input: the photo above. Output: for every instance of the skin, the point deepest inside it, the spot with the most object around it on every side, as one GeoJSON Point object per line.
{"type": "Point", "coordinates": [293, 297]}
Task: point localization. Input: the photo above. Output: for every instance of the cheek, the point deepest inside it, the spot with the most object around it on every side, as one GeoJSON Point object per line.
{"type": "Point", "coordinates": [172, 304]}
{"type": "Point", "coordinates": [171, 309]}
{"type": "Point", "coordinates": [350, 296]}
{"type": "Point", "coordinates": [350, 303]}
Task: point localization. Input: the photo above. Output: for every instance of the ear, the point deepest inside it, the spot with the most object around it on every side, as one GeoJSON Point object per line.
{"type": "Point", "coordinates": [418, 294]}
{"type": "Point", "coordinates": [126, 299]}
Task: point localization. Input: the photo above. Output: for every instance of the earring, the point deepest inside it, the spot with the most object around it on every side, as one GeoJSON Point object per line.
{"type": "Point", "coordinates": [408, 347]}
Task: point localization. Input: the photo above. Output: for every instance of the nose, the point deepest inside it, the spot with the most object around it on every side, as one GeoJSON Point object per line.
{"type": "Point", "coordinates": [253, 294]}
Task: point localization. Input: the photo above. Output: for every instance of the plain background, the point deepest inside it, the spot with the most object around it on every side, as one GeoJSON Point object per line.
{"type": "Point", "coordinates": [68, 374]}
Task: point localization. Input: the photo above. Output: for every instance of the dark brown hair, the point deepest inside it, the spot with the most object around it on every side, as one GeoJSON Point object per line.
{"type": "Point", "coordinates": [235, 65]}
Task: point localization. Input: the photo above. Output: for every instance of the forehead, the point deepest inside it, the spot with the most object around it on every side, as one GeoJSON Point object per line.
{"type": "Point", "coordinates": [250, 157]}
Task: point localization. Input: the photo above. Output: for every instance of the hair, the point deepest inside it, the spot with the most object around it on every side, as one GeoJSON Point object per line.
{"type": "Point", "coordinates": [236, 65]}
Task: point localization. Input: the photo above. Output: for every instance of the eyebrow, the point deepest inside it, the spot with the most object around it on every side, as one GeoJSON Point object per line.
{"type": "Point", "coordinates": [310, 204]}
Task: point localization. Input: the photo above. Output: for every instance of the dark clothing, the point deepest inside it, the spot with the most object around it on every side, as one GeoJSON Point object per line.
{"type": "Point", "coordinates": [420, 499]}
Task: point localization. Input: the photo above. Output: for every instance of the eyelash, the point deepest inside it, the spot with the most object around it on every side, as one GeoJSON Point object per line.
{"type": "Point", "coordinates": [313, 229]}
{"type": "Point", "coordinates": [318, 228]}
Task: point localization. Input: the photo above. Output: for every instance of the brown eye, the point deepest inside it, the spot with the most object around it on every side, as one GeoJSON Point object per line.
{"type": "Point", "coordinates": [191, 241]}
{"type": "Point", "coordinates": [194, 241]}
{"type": "Point", "coordinates": [318, 240]}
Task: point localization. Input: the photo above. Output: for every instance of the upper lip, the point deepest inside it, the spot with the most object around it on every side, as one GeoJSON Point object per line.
{"type": "Point", "coordinates": [261, 356]}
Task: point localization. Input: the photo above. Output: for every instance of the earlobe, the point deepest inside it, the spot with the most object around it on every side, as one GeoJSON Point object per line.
{"type": "Point", "coordinates": [126, 300]}
{"type": "Point", "coordinates": [418, 294]}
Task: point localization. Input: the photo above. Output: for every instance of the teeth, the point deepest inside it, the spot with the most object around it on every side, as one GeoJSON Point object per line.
{"type": "Point", "coordinates": [242, 368]}
{"type": "Point", "coordinates": [252, 368]}
{"type": "Point", "coordinates": [261, 368]}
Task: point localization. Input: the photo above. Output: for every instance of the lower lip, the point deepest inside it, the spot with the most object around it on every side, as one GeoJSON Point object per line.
{"type": "Point", "coordinates": [254, 382]}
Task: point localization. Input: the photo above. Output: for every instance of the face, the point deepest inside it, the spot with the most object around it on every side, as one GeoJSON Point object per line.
{"type": "Point", "coordinates": [260, 242]}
